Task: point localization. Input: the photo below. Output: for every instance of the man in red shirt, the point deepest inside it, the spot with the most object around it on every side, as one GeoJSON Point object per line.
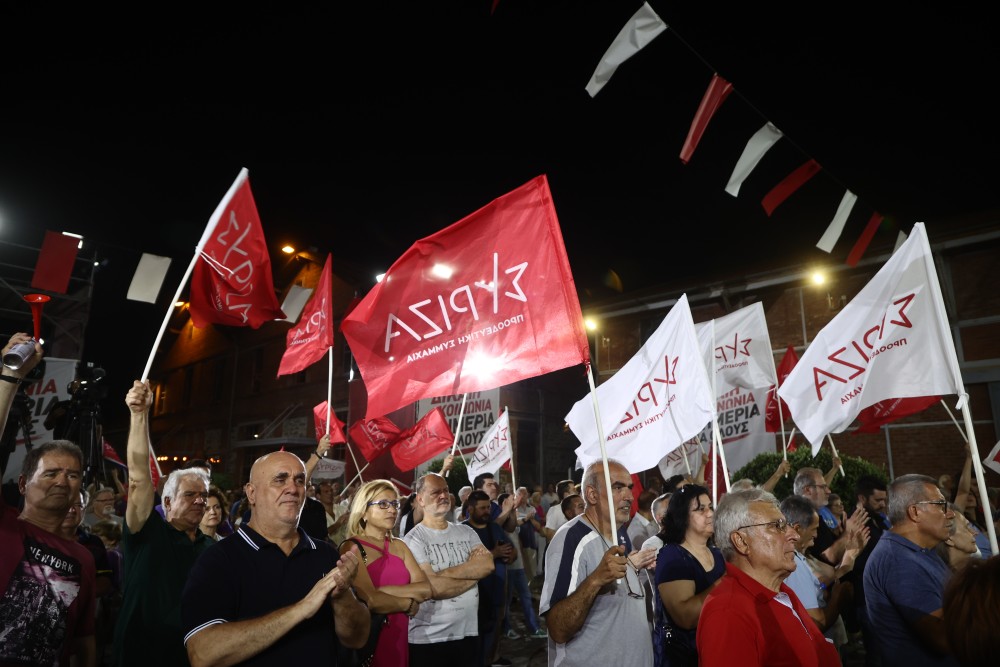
{"type": "Point", "coordinates": [751, 617]}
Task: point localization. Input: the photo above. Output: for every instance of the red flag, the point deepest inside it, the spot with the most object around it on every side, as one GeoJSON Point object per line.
{"type": "Point", "coordinates": [772, 418]}
{"type": "Point", "coordinates": [486, 302]}
{"type": "Point", "coordinates": [426, 439]}
{"type": "Point", "coordinates": [55, 262]}
{"type": "Point", "coordinates": [111, 455]}
{"type": "Point", "coordinates": [795, 180]}
{"type": "Point", "coordinates": [231, 283]}
{"type": "Point", "coordinates": [336, 426]}
{"type": "Point", "coordinates": [716, 93]}
{"type": "Point", "coordinates": [636, 490]}
{"type": "Point", "coordinates": [308, 341]}
{"type": "Point", "coordinates": [883, 412]}
{"type": "Point", "coordinates": [862, 243]}
{"type": "Point", "coordinates": [374, 437]}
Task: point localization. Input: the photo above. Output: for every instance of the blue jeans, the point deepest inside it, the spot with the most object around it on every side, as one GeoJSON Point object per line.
{"type": "Point", "coordinates": [517, 581]}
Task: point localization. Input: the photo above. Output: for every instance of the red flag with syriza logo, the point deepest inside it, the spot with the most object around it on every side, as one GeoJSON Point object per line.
{"type": "Point", "coordinates": [374, 437]}
{"type": "Point", "coordinates": [874, 416]}
{"type": "Point", "coordinates": [231, 283]}
{"type": "Point", "coordinates": [486, 302]}
{"type": "Point", "coordinates": [309, 340]}
{"type": "Point", "coordinates": [774, 419]}
{"type": "Point", "coordinates": [423, 441]}
{"type": "Point", "coordinates": [336, 426]}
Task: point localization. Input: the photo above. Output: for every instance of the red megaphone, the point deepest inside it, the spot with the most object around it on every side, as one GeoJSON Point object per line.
{"type": "Point", "coordinates": [36, 301]}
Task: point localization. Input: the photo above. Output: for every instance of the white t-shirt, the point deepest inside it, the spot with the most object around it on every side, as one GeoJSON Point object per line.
{"type": "Point", "coordinates": [455, 618]}
{"type": "Point", "coordinates": [555, 517]}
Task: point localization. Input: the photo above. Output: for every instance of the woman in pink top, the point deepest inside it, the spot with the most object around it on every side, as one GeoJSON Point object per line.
{"type": "Point", "coordinates": [391, 582]}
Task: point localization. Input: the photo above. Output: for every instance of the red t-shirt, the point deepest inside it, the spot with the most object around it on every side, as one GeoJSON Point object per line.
{"type": "Point", "coordinates": [48, 593]}
{"type": "Point", "coordinates": [743, 623]}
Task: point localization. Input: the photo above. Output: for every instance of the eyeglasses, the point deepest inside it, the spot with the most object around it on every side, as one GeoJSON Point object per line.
{"type": "Point", "coordinates": [384, 504]}
{"type": "Point", "coordinates": [943, 504]}
{"type": "Point", "coordinates": [825, 487]}
{"type": "Point", "coordinates": [632, 594]}
{"type": "Point", "coordinates": [780, 525]}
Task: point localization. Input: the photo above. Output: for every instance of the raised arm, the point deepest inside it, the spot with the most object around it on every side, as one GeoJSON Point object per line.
{"type": "Point", "coordinates": [783, 469]}
{"type": "Point", "coordinates": [832, 472]}
{"type": "Point", "coordinates": [964, 482]}
{"type": "Point", "coordinates": [12, 378]}
{"type": "Point", "coordinates": [140, 485]}
{"type": "Point", "coordinates": [322, 447]}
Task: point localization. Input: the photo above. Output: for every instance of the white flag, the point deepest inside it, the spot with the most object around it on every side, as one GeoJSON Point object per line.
{"type": "Point", "coordinates": [993, 460]}
{"type": "Point", "coordinates": [836, 226]}
{"type": "Point", "coordinates": [760, 143]}
{"type": "Point", "coordinates": [640, 30]}
{"type": "Point", "coordinates": [673, 463]}
{"type": "Point", "coordinates": [891, 341]}
{"type": "Point", "coordinates": [659, 399]}
{"type": "Point", "coordinates": [739, 353]}
{"type": "Point", "coordinates": [493, 451]}
{"type": "Point", "coordinates": [148, 278]}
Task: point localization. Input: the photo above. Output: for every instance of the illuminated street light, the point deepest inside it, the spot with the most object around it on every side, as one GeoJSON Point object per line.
{"type": "Point", "coordinates": [287, 249]}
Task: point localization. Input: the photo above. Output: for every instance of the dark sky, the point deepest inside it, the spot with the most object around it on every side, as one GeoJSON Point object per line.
{"type": "Point", "coordinates": [365, 128]}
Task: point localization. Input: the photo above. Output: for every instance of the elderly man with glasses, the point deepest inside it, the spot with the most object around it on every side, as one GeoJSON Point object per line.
{"type": "Point", "coordinates": [828, 547]}
{"type": "Point", "coordinates": [905, 578]}
{"type": "Point", "coordinates": [752, 617]}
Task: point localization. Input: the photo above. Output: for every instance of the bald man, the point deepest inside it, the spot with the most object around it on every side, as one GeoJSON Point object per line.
{"type": "Point", "coordinates": [269, 593]}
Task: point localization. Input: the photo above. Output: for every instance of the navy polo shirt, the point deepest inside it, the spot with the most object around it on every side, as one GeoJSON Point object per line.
{"type": "Point", "coordinates": [245, 576]}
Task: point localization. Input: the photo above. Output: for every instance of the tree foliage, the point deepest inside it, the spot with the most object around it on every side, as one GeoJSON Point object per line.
{"type": "Point", "coordinates": [764, 465]}
{"type": "Point", "coordinates": [457, 478]}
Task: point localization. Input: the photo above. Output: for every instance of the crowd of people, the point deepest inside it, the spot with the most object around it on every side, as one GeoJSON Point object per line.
{"type": "Point", "coordinates": [290, 568]}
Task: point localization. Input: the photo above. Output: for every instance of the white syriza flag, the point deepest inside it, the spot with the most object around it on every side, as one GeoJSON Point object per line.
{"type": "Point", "coordinates": [659, 399]}
{"type": "Point", "coordinates": [493, 451]}
{"type": "Point", "coordinates": [739, 352]}
{"type": "Point", "coordinates": [891, 341]}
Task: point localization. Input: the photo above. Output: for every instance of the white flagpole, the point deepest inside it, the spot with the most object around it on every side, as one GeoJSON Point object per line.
{"type": "Point", "coordinates": [604, 454]}
{"type": "Point", "coordinates": [212, 222]}
{"type": "Point", "coordinates": [513, 481]}
{"type": "Point", "coordinates": [458, 432]}
{"type": "Point", "coordinates": [833, 448]}
{"type": "Point", "coordinates": [329, 389]}
{"type": "Point", "coordinates": [357, 477]}
{"type": "Point", "coordinates": [977, 466]}
{"type": "Point", "coordinates": [957, 425]}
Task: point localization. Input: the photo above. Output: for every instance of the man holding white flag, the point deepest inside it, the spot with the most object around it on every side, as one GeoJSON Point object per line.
{"type": "Point", "coordinates": [637, 405]}
{"type": "Point", "coordinates": [891, 341]}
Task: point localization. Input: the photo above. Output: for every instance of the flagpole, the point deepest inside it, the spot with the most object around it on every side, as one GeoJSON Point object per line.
{"type": "Point", "coordinates": [833, 448]}
{"type": "Point", "coordinates": [513, 481]}
{"type": "Point", "coordinates": [458, 433]}
{"type": "Point", "coordinates": [604, 452]}
{"type": "Point", "coordinates": [209, 229]}
{"type": "Point", "coordinates": [948, 410]}
{"type": "Point", "coordinates": [329, 389]}
{"type": "Point", "coordinates": [977, 466]}
{"type": "Point", "coordinates": [357, 477]}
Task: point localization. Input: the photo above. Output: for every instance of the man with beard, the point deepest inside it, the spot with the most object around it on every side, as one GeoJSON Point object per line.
{"type": "Point", "coordinates": [493, 587]}
{"type": "Point", "coordinates": [872, 496]}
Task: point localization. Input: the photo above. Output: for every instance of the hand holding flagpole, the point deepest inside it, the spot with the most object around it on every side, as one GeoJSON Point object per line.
{"type": "Point", "coordinates": [833, 449]}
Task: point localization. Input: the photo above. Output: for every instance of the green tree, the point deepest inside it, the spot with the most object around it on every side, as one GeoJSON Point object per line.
{"type": "Point", "coordinates": [457, 478]}
{"type": "Point", "coordinates": [764, 465]}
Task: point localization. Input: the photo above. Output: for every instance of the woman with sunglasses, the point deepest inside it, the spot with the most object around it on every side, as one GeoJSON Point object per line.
{"type": "Point", "coordinates": [687, 567]}
{"type": "Point", "coordinates": [390, 582]}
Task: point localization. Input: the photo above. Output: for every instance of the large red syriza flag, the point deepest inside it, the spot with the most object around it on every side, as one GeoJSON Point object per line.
{"type": "Point", "coordinates": [891, 341]}
{"type": "Point", "coordinates": [374, 436]}
{"type": "Point", "coordinates": [231, 282]}
{"type": "Point", "coordinates": [335, 428]}
{"type": "Point", "coordinates": [659, 399]}
{"type": "Point", "coordinates": [309, 340]}
{"type": "Point", "coordinates": [486, 302]}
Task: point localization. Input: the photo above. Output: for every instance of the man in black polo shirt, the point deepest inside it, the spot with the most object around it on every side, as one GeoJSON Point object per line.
{"type": "Point", "coordinates": [270, 594]}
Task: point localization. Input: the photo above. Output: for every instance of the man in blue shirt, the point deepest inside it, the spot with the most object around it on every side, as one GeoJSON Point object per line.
{"type": "Point", "coordinates": [904, 578]}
